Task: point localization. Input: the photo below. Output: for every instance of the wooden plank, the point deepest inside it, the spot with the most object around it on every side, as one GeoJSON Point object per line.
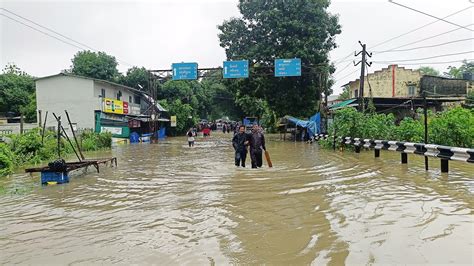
{"type": "Point", "coordinates": [71, 166]}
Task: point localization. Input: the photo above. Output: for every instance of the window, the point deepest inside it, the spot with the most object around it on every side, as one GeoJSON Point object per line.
{"type": "Point", "coordinates": [102, 93]}
{"type": "Point", "coordinates": [356, 93]}
{"type": "Point", "coordinates": [411, 90]}
{"type": "Point", "coordinates": [137, 99]}
{"type": "Point", "coordinates": [130, 99]}
{"type": "Point", "coordinates": [119, 95]}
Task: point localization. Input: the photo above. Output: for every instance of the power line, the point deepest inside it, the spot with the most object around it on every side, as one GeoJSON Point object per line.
{"type": "Point", "coordinates": [424, 13]}
{"type": "Point", "coordinates": [424, 39]}
{"type": "Point", "coordinates": [426, 46]}
{"type": "Point", "coordinates": [53, 31]}
{"type": "Point", "coordinates": [339, 71]}
{"type": "Point", "coordinates": [419, 28]}
{"type": "Point", "coordinates": [45, 33]}
{"type": "Point", "coordinates": [341, 60]}
{"type": "Point", "coordinates": [431, 57]}
{"type": "Point", "coordinates": [339, 79]}
{"type": "Point", "coordinates": [421, 63]}
{"type": "Point", "coordinates": [48, 29]}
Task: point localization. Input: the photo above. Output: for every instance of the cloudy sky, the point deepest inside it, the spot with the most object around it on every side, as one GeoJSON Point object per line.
{"type": "Point", "coordinates": [157, 33]}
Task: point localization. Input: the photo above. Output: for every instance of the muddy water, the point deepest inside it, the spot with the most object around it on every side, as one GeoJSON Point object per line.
{"type": "Point", "coordinates": [169, 204]}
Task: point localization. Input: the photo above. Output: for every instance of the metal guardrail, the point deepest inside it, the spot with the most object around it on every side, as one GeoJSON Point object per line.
{"type": "Point", "coordinates": [4, 132]}
{"type": "Point", "coordinates": [444, 153]}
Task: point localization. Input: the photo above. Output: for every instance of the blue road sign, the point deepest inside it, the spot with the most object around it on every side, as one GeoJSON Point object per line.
{"type": "Point", "coordinates": [236, 69]}
{"type": "Point", "coordinates": [182, 71]}
{"type": "Point", "coordinates": [287, 67]}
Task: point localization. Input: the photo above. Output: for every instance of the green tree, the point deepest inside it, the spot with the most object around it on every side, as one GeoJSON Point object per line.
{"type": "Point", "coordinates": [427, 70]}
{"type": "Point", "coordinates": [17, 92]}
{"type": "Point", "coordinates": [457, 72]}
{"type": "Point", "coordinates": [282, 29]}
{"type": "Point", "coordinates": [346, 94]}
{"type": "Point", "coordinates": [185, 115]}
{"type": "Point", "coordinates": [95, 65]}
{"type": "Point", "coordinates": [222, 98]}
{"type": "Point", "coordinates": [136, 76]}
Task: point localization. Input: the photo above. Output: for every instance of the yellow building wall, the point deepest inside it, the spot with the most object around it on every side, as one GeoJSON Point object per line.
{"type": "Point", "coordinates": [381, 83]}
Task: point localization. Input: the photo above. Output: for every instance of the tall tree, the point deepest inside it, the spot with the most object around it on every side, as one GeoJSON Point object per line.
{"type": "Point", "coordinates": [282, 29]}
{"type": "Point", "coordinates": [95, 65]}
{"type": "Point", "coordinates": [17, 92]}
{"type": "Point", "coordinates": [136, 76]}
{"type": "Point", "coordinates": [427, 70]}
{"type": "Point", "coordinates": [345, 94]}
{"type": "Point", "coordinates": [458, 72]}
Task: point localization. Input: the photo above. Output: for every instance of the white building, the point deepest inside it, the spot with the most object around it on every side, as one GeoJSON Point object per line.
{"type": "Point", "coordinates": [92, 104]}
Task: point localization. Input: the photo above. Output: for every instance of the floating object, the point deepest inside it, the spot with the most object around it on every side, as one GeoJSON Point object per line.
{"type": "Point", "coordinates": [58, 171]}
{"type": "Point", "coordinates": [52, 178]}
{"type": "Point", "coordinates": [267, 157]}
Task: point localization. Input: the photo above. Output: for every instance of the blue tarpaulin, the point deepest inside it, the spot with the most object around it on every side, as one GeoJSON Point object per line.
{"type": "Point", "coordinates": [313, 124]}
{"type": "Point", "coordinates": [317, 119]}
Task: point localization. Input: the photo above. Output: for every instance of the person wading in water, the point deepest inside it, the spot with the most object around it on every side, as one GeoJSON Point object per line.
{"type": "Point", "coordinates": [240, 142]}
{"type": "Point", "coordinates": [257, 143]}
{"type": "Point", "coordinates": [191, 134]}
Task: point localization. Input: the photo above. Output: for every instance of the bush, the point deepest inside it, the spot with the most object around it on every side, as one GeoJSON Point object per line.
{"type": "Point", "coordinates": [6, 160]}
{"type": "Point", "coordinates": [92, 141]}
{"type": "Point", "coordinates": [28, 149]}
{"type": "Point", "coordinates": [453, 127]}
{"type": "Point", "coordinates": [410, 130]}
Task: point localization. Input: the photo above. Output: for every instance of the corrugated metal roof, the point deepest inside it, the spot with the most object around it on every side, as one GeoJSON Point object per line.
{"type": "Point", "coordinates": [342, 104]}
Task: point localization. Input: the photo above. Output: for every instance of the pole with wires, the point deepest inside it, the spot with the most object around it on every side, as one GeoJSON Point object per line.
{"type": "Point", "coordinates": [425, 113]}
{"type": "Point", "coordinates": [363, 63]}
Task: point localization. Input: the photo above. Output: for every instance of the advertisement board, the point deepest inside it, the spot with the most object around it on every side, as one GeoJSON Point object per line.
{"type": "Point", "coordinates": [115, 106]}
{"type": "Point", "coordinates": [173, 121]}
{"type": "Point", "coordinates": [113, 130]}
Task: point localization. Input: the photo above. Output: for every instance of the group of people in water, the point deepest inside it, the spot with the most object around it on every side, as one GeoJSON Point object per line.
{"type": "Point", "coordinates": [243, 143]}
{"type": "Point", "coordinates": [255, 141]}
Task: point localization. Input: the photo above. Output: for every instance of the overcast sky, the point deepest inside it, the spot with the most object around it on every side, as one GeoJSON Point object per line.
{"type": "Point", "coordinates": [157, 33]}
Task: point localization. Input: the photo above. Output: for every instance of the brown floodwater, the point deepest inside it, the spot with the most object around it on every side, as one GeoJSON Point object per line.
{"type": "Point", "coordinates": [168, 204]}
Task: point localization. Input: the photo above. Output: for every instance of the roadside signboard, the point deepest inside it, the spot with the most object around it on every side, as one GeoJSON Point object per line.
{"type": "Point", "coordinates": [125, 108]}
{"type": "Point", "coordinates": [288, 67]}
{"type": "Point", "coordinates": [173, 121]}
{"type": "Point", "coordinates": [236, 69]}
{"type": "Point", "coordinates": [113, 130]}
{"type": "Point", "coordinates": [114, 106]}
{"type": "Point", "coordinates": [185, 71]}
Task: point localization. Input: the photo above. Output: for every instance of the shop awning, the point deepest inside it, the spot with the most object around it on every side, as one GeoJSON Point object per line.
{"type": "Point", "coordinates": [343, 104]}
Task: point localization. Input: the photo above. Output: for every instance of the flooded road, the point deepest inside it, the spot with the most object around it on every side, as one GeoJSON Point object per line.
{"type": "Point", "coordinates": [170, 204]}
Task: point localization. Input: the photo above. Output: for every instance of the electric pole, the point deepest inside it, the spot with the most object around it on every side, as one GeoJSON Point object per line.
{"type": "Point", "coordinates": [363, 63]}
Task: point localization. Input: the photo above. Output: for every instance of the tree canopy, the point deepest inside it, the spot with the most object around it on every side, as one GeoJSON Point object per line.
{"type": "Point", "coordinates": [95, 65]}
{"type": "Point", "coordinates": [427, 70]}
{"type": "Point", "coordinates": [281, 29]}
{"type": "Point", "coordinates": [17, 92]}
{"type": "Point", "coordinates": [136, 76]}
{"type": "Point", "coordinates": [458, 72]}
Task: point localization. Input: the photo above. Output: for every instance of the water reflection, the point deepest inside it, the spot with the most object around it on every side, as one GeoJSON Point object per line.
{"type": "Point", "coordinates": [170, 204]}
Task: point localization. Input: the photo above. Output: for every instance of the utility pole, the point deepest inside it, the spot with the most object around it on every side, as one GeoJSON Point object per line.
{"type": "Point", "coordinates": [326, 115]}
{"type": "Point", "coordinates": [425, 113]}
{"type": "Point", "coordinates": [363, 63]}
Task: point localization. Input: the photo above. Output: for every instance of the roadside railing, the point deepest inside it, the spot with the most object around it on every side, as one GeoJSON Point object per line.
{"type": "Point", "coordinates": [444, 153]}
{"type": "Point", "coordinates": [4, 132]}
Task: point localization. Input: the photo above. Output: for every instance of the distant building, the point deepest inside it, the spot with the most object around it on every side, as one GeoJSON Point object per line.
{"type": "Point", "coordinates": [390, 82]}
{"type": "Point", "coordinates": [400, 90]}
{"type": "Point", "coordinates": [333, 99]}
{"type": "Point", "coordinates": [95, 104]}
{"type": "Point", "coordinates": [441, 86]}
